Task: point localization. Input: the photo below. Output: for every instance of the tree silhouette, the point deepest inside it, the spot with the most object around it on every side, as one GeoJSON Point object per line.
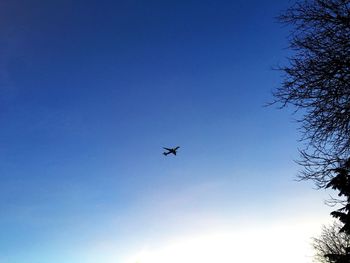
{"type": "Point", "coordinates": [317, 82]}
{"type": "Point", "coordinates": [341, 182]}
{"type": "Point", "coordinates": [331, 242]}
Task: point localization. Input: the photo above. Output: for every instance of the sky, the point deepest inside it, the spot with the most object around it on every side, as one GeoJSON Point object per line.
{"type": "Point", "coordinates": [90, 92]}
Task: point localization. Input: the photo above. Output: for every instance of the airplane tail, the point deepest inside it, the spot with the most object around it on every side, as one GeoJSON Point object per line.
{"type": "Point", "coordinates": [165, 153]}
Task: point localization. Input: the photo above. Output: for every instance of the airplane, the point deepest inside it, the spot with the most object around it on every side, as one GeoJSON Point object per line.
{"type": "Point", "coordinates": [170, 150]}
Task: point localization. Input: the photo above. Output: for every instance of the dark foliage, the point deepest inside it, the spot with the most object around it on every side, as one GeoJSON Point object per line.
{"type": "Point", "coordinates": [338, 258]}
{"type": "Point", "coordinates": [341, 183]}
{"type": "Point", "coordinates": [331, 245]}
{"type": "Point", "coordinates": [340, 253]}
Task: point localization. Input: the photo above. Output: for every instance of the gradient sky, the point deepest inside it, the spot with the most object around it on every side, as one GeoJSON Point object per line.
{"type": "Point", "coordinates": [90, 92]}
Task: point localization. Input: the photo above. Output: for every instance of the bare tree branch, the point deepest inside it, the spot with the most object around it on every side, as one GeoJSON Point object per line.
{"type": "Point", "coordinates": [317, 82]}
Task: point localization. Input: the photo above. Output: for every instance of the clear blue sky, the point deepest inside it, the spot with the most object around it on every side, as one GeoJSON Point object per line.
{"type": "Point", "coordinates": [90, 92]}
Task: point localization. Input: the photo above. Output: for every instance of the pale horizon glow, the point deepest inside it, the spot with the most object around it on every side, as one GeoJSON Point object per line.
{"type": "Point", "coordinates": [288, 243]}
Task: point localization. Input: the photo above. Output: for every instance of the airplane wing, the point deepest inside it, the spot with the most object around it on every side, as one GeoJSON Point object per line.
{"type": "Point", "coordinates": [176, 148]}
{"type": "Point", "coordinates": [167, 149]}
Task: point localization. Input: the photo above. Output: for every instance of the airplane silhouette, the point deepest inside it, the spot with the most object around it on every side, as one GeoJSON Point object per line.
{"type": "Point", "coordinates": [170, 150]}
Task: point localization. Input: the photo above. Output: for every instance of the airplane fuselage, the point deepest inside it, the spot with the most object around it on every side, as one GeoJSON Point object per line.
{"type": "Point", "coordinates": [170, 150]}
